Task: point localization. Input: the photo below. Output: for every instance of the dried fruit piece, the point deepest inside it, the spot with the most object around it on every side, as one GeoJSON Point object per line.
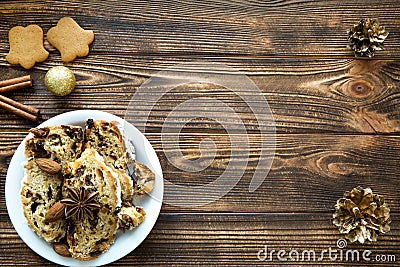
{"type": "Point", "coordinates": [48, 165]}
{"type": "Point", "coordinates": [55, 213]}
{"type": "Point", "coordinates": [361, 215]}
{"type": "Point", "coordinates": [366, 37]}
{"type": "Point", "coordinates": [61, 249]}
{"type": "Point", "coordinates": [40, 132]}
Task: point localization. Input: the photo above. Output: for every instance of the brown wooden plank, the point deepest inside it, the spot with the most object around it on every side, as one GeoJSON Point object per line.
{"type": "Point", "coordinates": [305, 95]}
{"type": "Point", "coordinates": [228, 239]}
{"type": "Point", "coordinates": [272, 28]}
{"type": "Point", "coordinates": [308, 173]}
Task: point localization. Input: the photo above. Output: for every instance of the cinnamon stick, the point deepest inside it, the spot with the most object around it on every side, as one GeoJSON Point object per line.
{"type": "Point", "coordinates": [15, 107]}
{"type": "Point", "coordinates": [17, 86]}
{"type": "Point", "coordinates": [17, 111]}
{"type": "Point", "coordinates": [16, 80]}
{"type": "Point", "coordinates": [18, 105]}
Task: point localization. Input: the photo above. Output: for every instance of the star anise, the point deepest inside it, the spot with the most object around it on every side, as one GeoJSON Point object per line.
{"type": "Point", "coordinates": [80, 203]}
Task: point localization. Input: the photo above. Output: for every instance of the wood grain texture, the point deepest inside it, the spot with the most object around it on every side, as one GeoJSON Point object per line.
{"type": "Point", "coordinates": [305, 95]}
{"type": "Point", "coordinates": [308, 172]}
{"type": "Point", "coordinates": [271, 28]}
{"type": "Point", "coordinates": [337, 119]}
{"type": "Point", "coordinates": [229, 239]}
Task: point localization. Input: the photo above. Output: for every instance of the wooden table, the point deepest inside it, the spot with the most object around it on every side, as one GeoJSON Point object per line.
{"type": "Point", "coordinates": [336, 117]}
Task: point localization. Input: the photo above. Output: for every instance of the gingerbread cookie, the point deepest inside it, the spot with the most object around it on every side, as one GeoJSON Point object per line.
{"type": "Point", "coordinates": [26, 46]}
{"type": "Point", "coordinates": [70, 39]}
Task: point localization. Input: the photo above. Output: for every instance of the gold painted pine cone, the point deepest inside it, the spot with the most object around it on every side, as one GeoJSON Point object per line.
{"type": "Point", "coordinates": [366, 37]}
{"type": "Point", "coordinates": [361, 215]}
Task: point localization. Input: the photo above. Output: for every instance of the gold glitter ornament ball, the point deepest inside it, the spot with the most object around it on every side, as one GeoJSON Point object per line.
{"type": "Point", "coordinates": [60, 80]}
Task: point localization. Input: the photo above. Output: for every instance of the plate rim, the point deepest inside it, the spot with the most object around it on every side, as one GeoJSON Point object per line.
{"type": "Point", "coordinates": [20, 227]}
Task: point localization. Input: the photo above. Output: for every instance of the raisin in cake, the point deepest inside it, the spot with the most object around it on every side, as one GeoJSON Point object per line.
{"type": "Point", "coordinates": [89, 237]}
{"type": "Point", "coordinates": [61, 143]}
{"type": "Point", "coordinates": [40, 190]}
{"type": "Point", "coordinates": [107, 140]}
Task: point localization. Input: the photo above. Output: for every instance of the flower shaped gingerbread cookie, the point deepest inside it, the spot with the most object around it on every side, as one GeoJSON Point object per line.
{"type": "Point", "coordinates": [70, 39]}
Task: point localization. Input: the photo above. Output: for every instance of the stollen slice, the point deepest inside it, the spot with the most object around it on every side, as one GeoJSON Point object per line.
{"type": "Point", "coordinates": [106, 138]}
{"type": "Point", "coordinates": [39, 193]}
{"type": "Point", "coordinates": [61, 143]}
{"type": "Point", "coordinates": [92, 195]}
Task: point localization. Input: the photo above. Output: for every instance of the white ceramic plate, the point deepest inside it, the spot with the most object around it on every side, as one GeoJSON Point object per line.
{"type": "Point", "coordinates": [125, 242]}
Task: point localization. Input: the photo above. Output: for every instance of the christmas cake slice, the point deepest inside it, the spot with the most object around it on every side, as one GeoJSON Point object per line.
{"type": "Point", "coordinates": [47, 151]}
{"type": "Point", "coordinates": [61, 143]}
{"type": "Point", "coordinates": [41, 190]}
{"type": "Point", "coordinates": [106, 138]}
{"type": "Point", "coordinates": [92, 195]}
